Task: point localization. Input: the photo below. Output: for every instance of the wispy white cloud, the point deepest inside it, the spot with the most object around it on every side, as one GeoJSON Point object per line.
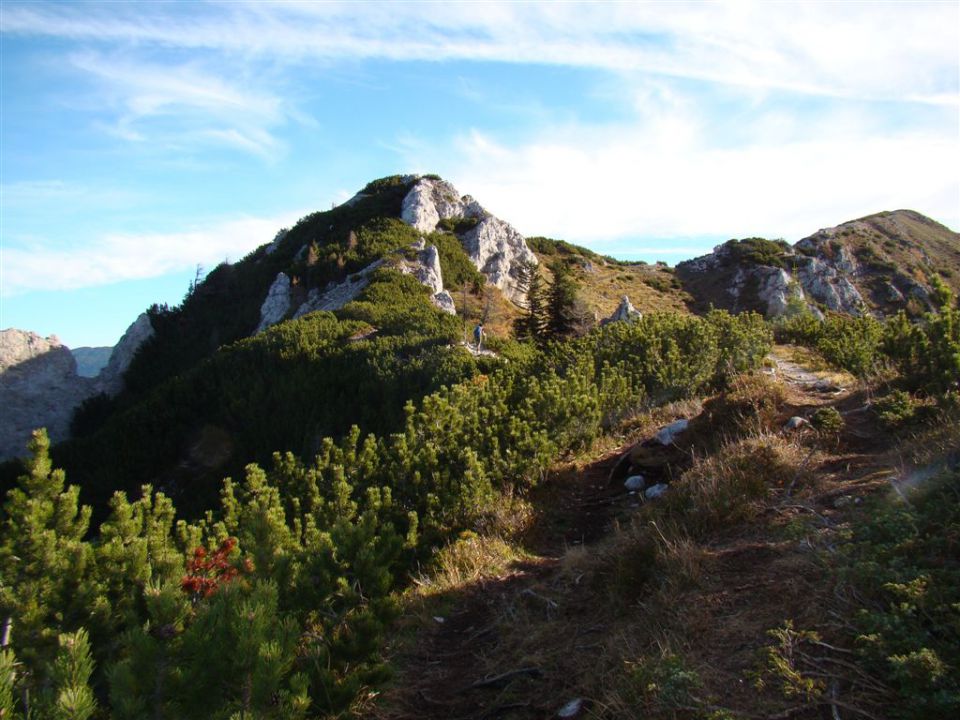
{"type": "Point", "coordinates": [878, 50]}
{"type": "Point", "coordinates": [602, 185]}
{"type": "Point", "coordinates": [183, 103]}
{"type": "Point", "coordinates": [36, 265]}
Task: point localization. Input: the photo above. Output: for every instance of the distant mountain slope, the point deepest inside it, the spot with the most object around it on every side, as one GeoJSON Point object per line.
{"type": "Point", "coordinates": [878, 264]}
{"type": "Point", "coordinates": [604, 281]}
{"type": "Point", "coordinates": [91, 360]}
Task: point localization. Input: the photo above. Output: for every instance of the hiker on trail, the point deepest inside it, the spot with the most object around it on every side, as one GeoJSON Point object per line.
{"type": "Point", "coordinates": [478, 335]}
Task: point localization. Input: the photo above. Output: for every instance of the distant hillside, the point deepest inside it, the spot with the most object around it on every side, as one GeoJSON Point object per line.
{"type": "Point", "coordinates": [604, 281]}
{"type": "Point", "coordinates": [91, 360]}
{"type": "Point", "coordinates": [878, 264]}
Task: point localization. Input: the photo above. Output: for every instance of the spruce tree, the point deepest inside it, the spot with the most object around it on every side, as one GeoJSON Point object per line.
{"type": "Point", "coordinates": [532, 324]}
{"type": "Point", "coordinates": [561, 300]}
{"type": "Point", "coordinates": [47, 574]}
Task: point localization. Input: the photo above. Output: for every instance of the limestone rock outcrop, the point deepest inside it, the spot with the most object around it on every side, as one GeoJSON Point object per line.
{"type": "Point", "coordinates": [91, 360]}
{"type": "Point", "coordinates": [39, 387]}
{"type": "Point", "coordinates": [625, 312]}
{"type": "Point", "coordinates": [431, 200]}
{"type": "Point", "coordinates": [277, 303]}
{"type": "Point", "coordinates": [426, 269]}
{"type": "Point", "coordinates": [499, 251]}
{"type": "Point", "coordinates": [110, 379]}
{"type": "Point", "coordinates": [335, 295]}
{"type": "Point", "coordinates": [496, 248]}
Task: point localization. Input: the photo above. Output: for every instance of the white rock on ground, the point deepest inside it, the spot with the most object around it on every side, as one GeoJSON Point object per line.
{"type": "Point", "coordinates": [666, 435]}
{"type": "Point", "coordinates": [635, 482]}
{"type": "Point", "coordinates": [657, 491]}
{"type": "Point", "coordinates": [795, 423]}
{"type": "Point", "coordinates": [625, 312]}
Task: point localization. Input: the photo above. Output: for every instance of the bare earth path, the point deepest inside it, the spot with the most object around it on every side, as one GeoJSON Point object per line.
{"type": "Point", "coordinates": [520, 644]}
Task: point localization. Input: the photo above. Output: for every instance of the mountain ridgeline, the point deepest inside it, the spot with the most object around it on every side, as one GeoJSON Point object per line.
{"type": "Point", "coordinates": [299, 437]}
{"type": "Point", "coordinates": [876, 265]}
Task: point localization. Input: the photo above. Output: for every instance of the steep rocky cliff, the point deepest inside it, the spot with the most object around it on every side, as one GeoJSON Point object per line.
{"type": "Point", "coordinates": [494, 246]}
{"type": "Point", "coordinates": [878, 264]}
{"type": "Point", "coordinates": [40, 385]}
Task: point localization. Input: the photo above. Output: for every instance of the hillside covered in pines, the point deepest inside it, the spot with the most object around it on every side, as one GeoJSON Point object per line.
{"type": "Point", "coordinates": [317, 495]}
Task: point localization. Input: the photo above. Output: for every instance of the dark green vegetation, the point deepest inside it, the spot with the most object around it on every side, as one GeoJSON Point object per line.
{"type": "Point", "coordinates": [288, 597]}
{"type": "Point", "coordinates": [906, 567]}
{"type": "Point", "coordinates": [925, 353]}
{"type": "Point", "coordinates": [759, 251]}
{"type": "Point", "coordinates": [365, 440]}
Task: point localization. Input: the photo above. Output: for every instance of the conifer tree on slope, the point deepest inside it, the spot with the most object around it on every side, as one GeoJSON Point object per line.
{"type": "Point", "coordinates": [532, 324]}
{"type": "Point", "coordinates": [561, 299]}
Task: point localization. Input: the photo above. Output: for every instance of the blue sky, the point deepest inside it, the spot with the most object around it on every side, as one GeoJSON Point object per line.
{"type": "Point", "coordinates": [140, 140]}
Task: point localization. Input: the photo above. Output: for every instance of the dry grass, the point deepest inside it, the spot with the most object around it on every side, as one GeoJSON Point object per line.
{"type": "Point", "coordinates": [466, 561]}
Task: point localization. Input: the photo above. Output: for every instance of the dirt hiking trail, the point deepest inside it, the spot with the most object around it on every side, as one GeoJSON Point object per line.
{"type": "Point", "coordinates": [542, 638]}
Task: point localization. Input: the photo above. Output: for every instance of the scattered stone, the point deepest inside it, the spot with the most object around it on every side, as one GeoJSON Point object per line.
{"type": "Point", "coordinates": [796, 423]}
{"type": "Point", "coordinates": [439, 620]}
{"type": "Point", "coordinates": [667, 434]}
{"type": "Point", "coordinates": [571, 709]}
{"type": "Point", "coordinates": [625, 312]}
{"type": "Point", "coordinates": [635, 482]}
{"type": "Point", "coordinates": [825, 386]}
{"type": "Point", "coordinates": [842, 501]}
{"type": "Point", "coordinates": [657, 491]}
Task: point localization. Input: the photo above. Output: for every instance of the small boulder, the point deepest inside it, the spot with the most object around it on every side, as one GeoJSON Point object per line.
{"type": "Point", "coordinates": [796, 423]}
{"type": "Point", "coordinates": [625, 312]}
{"type": "Point", "coordinates": [666, 435]}
{"type": "Point", "coordinates": [658, 490]}
{"type": "Point", "coordinates": [635, 482]}
{"type": "Point", "coordinates": [571, 709]}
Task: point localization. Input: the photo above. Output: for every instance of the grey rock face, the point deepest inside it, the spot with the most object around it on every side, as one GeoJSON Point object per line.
{"type": "Point", "coordinates": [430, 201]}
{"type": "Point", "coordinates": [666, 435]}
{"type": "Point", "coordinates": [277, 303]}
{"type": "Point", "coordinates": [776, 288]}
{"type": "Point", "coordinates": [39, 387]}
{"type": "Point", "coordinates": [494, 247]}
{"type": "Point", "coordinates": [625, 312]}
{"type": "Point", "coordinates": [110, 379]}
{"type": "Point", "coordinates": [498, 251]}
{"type": "Point", "coordinates": [335, 295]}
{"type": "Point", "coordinates": [91, 360]}
{"type": "Point", "coordinates": [824, 283]}
{"type": "Point", "coordinates": [426, 269]}
{"type": "Point", "coordinates": [657, 491]}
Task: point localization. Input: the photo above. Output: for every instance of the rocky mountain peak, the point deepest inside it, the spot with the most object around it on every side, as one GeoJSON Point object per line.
{"type": "Point", "coordinates": [877, 264]}
{"type": "Point", "coordinates": [495, 247]}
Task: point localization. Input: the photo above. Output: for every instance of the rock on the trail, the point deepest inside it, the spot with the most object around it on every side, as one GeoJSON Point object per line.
{"type": "Point", "coordinates": [571, 709]}
{"type": "Point", "coordinates": [796, 423]}
{"type": "Point", "coordinates": [667, 434]}
{"type": "Point", "coordinates": [658, 490]}
{"type": "Point", "coordinates": [635, 482]}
